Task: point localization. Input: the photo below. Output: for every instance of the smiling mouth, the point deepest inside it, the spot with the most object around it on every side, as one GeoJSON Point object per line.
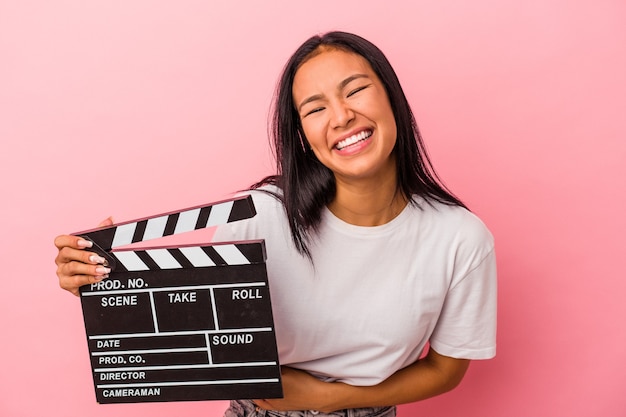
{"type": "Point", "coordinates": [361, 136]}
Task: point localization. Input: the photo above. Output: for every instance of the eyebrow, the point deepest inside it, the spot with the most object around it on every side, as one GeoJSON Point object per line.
{"type": "Point", "coordinates": [341, 86]}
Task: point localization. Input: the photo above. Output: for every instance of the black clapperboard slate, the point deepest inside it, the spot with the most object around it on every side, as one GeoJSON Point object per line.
{"type": "Point", "coordinates": [181, 323]}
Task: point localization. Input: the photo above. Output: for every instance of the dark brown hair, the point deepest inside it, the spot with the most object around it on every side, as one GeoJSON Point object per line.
{"type": "Point", "coordinates": [307, 185]}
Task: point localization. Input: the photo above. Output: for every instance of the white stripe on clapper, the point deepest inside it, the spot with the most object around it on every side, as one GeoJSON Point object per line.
{"type": "Point", "coordinates": [155, 228]}
{"type": "Point", "coordinates": [219, 214]}
{"type": "Point", "coordinates": [231, 255]}
{"type": "Point", "coordinates": [187, 221]}
{"type": "Point", "coordinates": [197, 256]}
{"type": "Point", "coordinates": [163, 258]}
{"type": "Point", "coordinates": [123, 235]}
{"type": "Point", "coordinates": [131, 261]}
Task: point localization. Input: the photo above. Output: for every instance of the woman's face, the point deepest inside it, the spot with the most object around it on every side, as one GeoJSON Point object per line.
{"type": "Point", "coordinates": [346, 115]}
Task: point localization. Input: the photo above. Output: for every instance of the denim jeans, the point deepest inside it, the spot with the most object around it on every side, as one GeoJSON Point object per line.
{"type": "Point", "coordinates": [246, 408]}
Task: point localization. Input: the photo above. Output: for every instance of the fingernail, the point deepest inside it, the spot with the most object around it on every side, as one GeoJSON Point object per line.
{"type": "Point", "coordinates": [102, 270]}
{"type": "Point", "coordinates": [95, 259]}
{"type": "Point", "coordinates": [84, 243]}
{"type": "Point", "coordinates": [99, 278]}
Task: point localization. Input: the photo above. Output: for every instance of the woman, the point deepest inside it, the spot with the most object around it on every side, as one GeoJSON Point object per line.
{"type": "Point", "coordinates": [369, 258]}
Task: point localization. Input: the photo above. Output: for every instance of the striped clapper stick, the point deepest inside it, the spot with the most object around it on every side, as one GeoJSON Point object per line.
{"type": "Point", "coordinates": [181, 323]}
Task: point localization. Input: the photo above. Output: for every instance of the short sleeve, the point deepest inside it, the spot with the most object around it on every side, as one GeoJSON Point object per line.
{"type": "Point", "coordinates": [466, 327]}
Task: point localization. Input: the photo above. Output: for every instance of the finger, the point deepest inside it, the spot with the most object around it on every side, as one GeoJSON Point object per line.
{"type": "Point", "coordinates": [68, 254]}
{"type": "Point", "coordinates": [74, 282]}
{"type": "Point", "coordinates": [106, 222]}
{"type": "Point", "coordinates": [73, 268]}
{"type": "Point", "coordinates": [76, 274]}
{"type": "Point", "coordinates": [76, 242]}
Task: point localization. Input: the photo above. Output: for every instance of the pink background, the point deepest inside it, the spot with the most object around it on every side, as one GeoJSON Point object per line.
{"type": "Point", "coordinates": [132, 108]}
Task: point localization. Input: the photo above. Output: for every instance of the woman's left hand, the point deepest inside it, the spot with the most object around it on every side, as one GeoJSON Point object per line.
{"type": "Point", "coordinates": [432, 375]}
{"type": "Point", "coordinates": [301, 391]}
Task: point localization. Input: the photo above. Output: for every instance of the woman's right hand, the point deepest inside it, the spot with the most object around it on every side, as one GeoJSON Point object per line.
{"type": "Point", "coordinates": [75, 265]}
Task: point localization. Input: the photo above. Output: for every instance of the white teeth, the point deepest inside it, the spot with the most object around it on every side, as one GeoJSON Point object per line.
{"type": "Point", "coordinates": [353, 139]}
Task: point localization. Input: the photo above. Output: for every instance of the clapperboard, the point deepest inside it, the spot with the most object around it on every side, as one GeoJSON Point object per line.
{"type": "Point", "coordinates": [185, 322]}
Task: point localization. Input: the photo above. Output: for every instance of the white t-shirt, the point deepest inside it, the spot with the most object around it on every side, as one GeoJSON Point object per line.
{"type": "Point", "coordinates": [375, 296]}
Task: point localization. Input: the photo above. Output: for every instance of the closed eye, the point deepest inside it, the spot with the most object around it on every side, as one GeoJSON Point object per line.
{"type": "Point", "coordinates": [315, 110]}
{"type": "Point", "coordinates": [356, 90]}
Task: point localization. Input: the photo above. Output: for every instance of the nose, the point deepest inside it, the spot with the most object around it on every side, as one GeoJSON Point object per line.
{"type": "Point", "coordinates": [341, 114]}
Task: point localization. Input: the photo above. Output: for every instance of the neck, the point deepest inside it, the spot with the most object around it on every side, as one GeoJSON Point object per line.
{"type": "Point", "coordinates": [369, 202]}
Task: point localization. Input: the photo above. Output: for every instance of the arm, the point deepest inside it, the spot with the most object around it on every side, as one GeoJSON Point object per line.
{"type": "Point", "coordinates": [77, 267]}
{"type": "Point", "coordinates": [428, 377]}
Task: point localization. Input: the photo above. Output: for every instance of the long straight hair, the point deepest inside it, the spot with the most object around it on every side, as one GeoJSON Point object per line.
{"type": "Point", "coordinates": [306, 184]}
